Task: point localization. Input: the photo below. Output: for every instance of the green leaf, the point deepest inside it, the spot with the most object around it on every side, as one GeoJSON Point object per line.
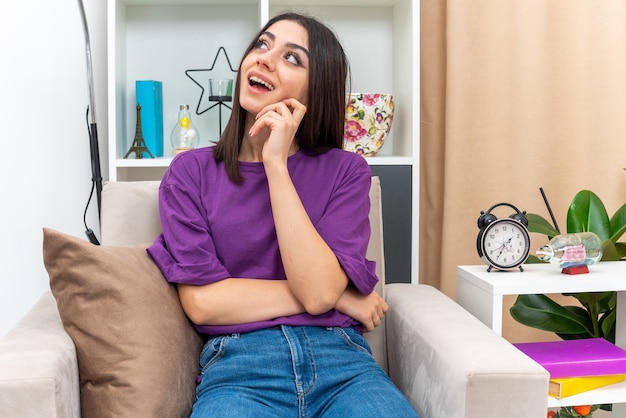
{"type": "Point", "coordinates": [607, 325]}
{"type": "Point", "coordinates": [620, 247]}
{"type": "Point", "coordinates": [618, 223]}
{"type": "Point", "coordinates": [574, 336]}
{"type": "Point", "coordinates": [541, 312]}
{"type": "Point", "coordinates": [606, 301]}
{"type": "Point", "coordinates": [609, 251]}
{"type": "Point", "coordinates": [538, 224]}
{"type": "Point", "coordinates": [588, 214]}
{"type": "Point", "coordinates": [603, 301]}
{"type": "Point", "coordinates": [606, 407]}
{"type": "Point", "coordinates": [533, 259]}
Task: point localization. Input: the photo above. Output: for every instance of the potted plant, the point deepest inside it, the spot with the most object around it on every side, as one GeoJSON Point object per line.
{"type": "Point", "coordinates": [594, 314]}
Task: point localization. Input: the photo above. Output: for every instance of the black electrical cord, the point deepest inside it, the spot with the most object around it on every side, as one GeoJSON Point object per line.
{"type": "Point", "coordinates": [91, 236]}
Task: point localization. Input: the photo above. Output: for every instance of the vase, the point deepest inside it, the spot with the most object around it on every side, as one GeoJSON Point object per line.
{"type": "Point", "coordinates": [368, 122]}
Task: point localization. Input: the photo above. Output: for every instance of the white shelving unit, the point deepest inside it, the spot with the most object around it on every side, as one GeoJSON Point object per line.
{"type": "Point", "coordinates": [161, 39]}
{"type": "Point", "coordinates": [482, 293]}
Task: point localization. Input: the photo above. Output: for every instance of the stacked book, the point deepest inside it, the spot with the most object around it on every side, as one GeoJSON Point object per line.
{"type": "Point", "coordinates": [577, 366]}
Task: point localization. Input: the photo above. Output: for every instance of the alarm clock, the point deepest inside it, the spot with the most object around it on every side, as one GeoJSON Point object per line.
{"type": "Point", "coordinates": [503, 243]}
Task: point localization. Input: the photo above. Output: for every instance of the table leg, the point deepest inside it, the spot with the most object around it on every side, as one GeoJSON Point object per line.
{"type": "Point", "coordinates": [483, 305]}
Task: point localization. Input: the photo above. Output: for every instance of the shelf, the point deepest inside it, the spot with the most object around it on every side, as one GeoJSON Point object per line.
{"type": "Point", "coordinates": [360, 3]}
{"type": "Point", "coordinates": [389, 160]}
{"type": "Point", "coordinates": [189, 2]}
{"type": "Point", "coordinates": [283, 3]}
{"type": "Point", "coordinates": [144, 162]}
{"type": "Point", "coordinates": [161, 39]}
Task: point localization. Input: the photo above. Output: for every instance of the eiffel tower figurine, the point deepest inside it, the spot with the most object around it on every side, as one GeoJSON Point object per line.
{"type": "Point", "coordinates": [139, 144]}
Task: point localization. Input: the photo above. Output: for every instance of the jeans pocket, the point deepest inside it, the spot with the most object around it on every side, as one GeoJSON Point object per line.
{"type": "Point", "coordinates": [354, 339]}
{"type": "Point", "coordinates": [212, 351]}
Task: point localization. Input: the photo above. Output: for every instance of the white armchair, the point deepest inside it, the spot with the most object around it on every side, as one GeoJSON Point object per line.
{"type": "Point", "coordinates": [444, 360]}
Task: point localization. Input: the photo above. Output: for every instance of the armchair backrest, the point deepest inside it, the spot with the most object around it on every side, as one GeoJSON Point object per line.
{"type": "Point", "coordinates": [130, 215]}
{"type": "Point", "coordinates": [130, 212]}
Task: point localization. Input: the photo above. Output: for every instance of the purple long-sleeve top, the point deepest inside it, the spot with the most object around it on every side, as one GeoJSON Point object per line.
{"type": "Point", "coordinates": [215, 229]}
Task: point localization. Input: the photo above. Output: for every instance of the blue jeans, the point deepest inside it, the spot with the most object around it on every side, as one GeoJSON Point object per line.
{"type": "Point", "coordinates": [295, 372]}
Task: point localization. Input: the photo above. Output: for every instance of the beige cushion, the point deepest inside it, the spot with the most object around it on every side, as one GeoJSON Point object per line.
{"type": "Point", "coordinates": [137, 352]}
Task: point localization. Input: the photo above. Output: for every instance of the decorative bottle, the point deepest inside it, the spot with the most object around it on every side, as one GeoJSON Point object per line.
{"type": "Point", "coordinates": [567, 250]}
{"type": "Point", "coordinates": [184, 135]}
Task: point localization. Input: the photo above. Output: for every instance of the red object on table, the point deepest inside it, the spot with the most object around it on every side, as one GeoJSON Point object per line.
{"type": "Point", "coordinates": [576, 269]}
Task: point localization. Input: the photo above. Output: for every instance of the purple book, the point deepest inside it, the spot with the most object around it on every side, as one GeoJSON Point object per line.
{"type": "Point", "coordinates": [577, 358]}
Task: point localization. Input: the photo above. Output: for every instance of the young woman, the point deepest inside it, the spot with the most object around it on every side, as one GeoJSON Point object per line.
{"type": "Point", "coordinates": [266, 235]}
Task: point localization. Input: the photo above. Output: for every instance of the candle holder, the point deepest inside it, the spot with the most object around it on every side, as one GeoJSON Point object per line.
{"type": "Point", "coordinates": [220, 89]}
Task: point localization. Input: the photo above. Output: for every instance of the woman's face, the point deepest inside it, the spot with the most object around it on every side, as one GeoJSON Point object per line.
{"type": "Point", "coordinates": [277, 68]}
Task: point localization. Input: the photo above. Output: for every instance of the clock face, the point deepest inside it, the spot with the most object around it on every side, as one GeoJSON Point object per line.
{"type": "Point", "coordinates": [504, 244]}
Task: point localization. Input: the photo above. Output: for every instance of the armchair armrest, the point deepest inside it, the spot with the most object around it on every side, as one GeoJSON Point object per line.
{"type": "Point", "coordinates": [449, 364]}
{"type": "Point", "coordinates": [38, 366]}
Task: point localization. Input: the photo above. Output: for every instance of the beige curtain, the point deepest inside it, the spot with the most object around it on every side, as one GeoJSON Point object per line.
{"type": "Point", "coordinates": [516, 95]}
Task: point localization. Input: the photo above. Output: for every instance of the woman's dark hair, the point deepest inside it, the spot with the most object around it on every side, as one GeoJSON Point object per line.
{"type": "Point", "coordinates": [323, 125]}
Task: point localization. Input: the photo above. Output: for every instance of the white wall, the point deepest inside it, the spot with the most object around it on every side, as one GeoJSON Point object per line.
{"type": "Point", "coordinates": [45, 174]}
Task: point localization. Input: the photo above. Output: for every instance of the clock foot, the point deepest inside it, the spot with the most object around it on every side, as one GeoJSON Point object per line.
{"type": "Point", "coordinates": [521, 268]}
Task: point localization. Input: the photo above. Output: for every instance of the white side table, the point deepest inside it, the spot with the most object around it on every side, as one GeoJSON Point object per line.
{"type": "Point", "coordinates": [482, 293]}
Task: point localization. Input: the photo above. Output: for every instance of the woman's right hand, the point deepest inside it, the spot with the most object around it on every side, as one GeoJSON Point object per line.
{"type": "Point", "coordinates": [282, 120]}
{"type": "Point", "coordinates": [369, 310]}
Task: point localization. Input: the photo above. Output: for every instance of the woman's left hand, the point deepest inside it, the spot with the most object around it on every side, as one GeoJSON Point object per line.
{"type": "Point", "coordinates": [369, 310]}
{"type": "Point", "coordinates": [282, 120]}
